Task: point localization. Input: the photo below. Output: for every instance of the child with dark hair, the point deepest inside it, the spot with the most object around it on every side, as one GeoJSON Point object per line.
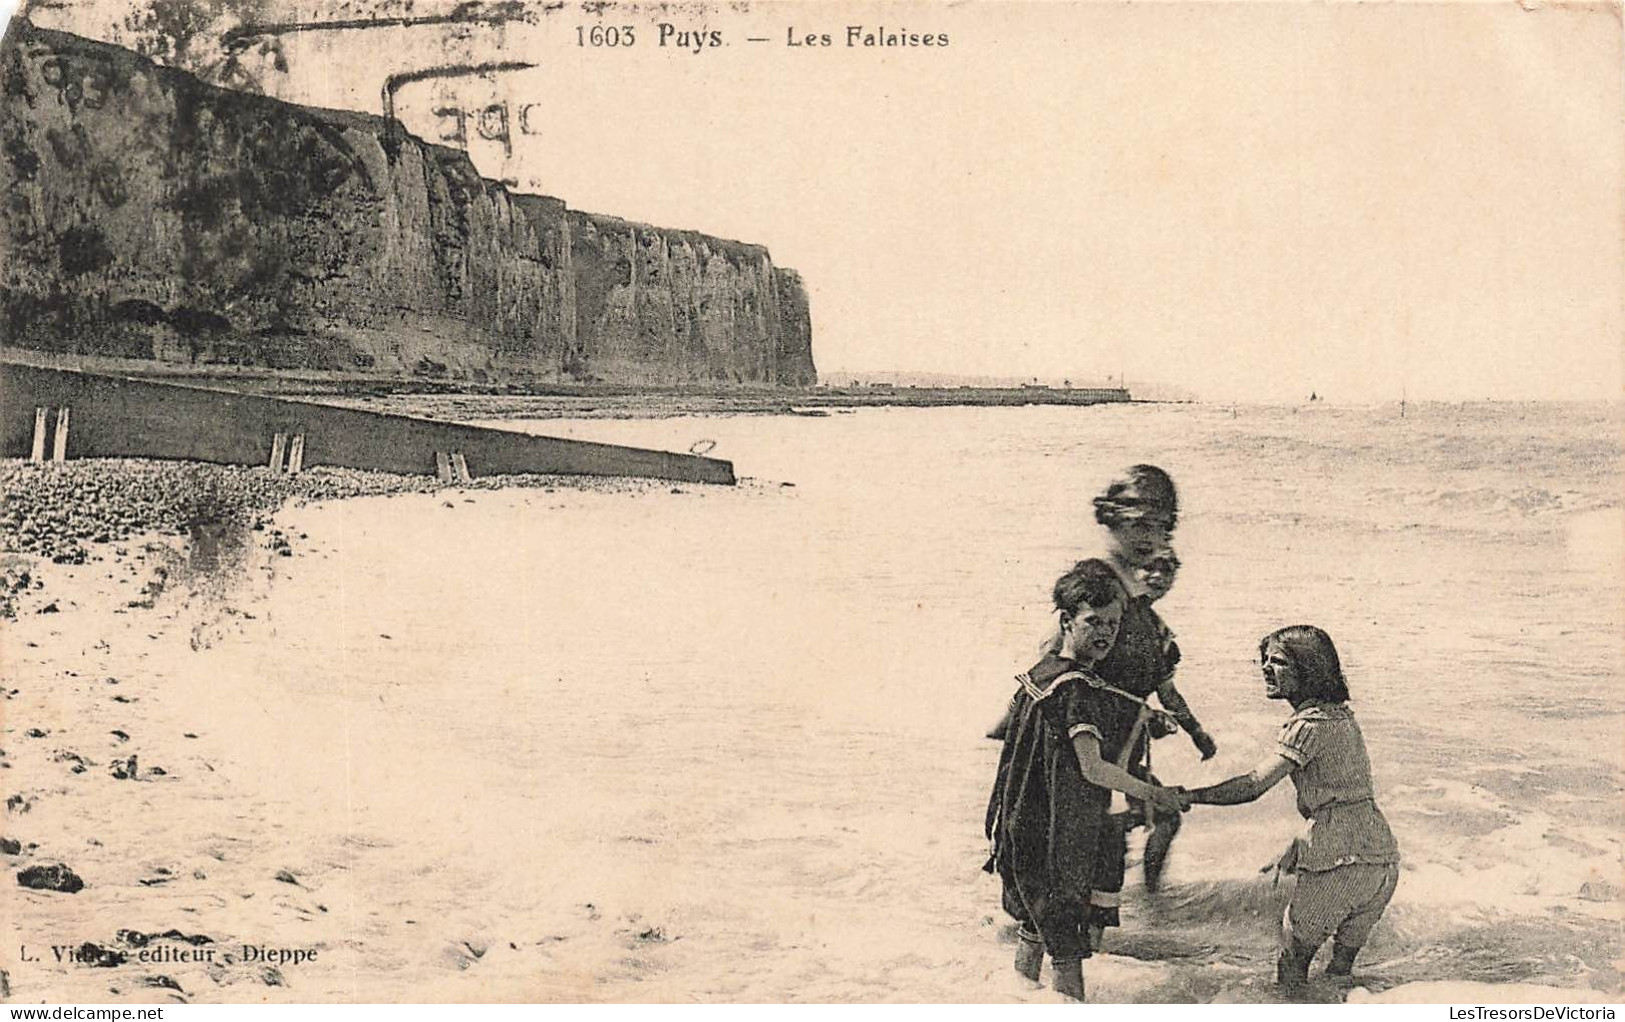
{"type": "Point", "coordinates": [1047, 813]}
{"type": "Point", "coordinates": [1348, 864]}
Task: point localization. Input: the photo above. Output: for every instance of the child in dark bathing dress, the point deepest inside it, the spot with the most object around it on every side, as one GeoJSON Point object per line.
{"type": "Point", "coordinates": [1047, 815]}
{"type": "Point", "coordinates": [1348, 864]}
{"type": "Point", "coordinates": [1139, 512]}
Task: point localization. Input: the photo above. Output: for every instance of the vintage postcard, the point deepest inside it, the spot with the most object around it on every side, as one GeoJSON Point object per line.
{"type": "Point", "coordinates": [519, 501]}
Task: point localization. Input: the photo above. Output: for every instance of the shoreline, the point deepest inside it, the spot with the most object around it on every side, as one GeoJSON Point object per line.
{"type": "Point", "coordinates": [538, 398]}
{"type": "Point", "coordinates": [612, 403]}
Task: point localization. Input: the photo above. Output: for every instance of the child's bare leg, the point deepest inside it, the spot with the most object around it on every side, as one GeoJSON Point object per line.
{"type": "Point", "coordinates": [1062, 926]}
{"type": "Point", "coordinates": [1342, 963]}
{"type": "Point", "coordinates": [1163, 828]}
{"type": "Point", "coordinates": [1068, 977]}
{"type": "Point", "coordinates": [1102, 913]}
{"type": "Point", "coordinates": [1029, 953]}
{"type": "Point", "coordinates": [1292, 967]}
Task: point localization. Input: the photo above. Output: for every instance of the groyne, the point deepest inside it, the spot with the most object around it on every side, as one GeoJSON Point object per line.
{"type": "Point", "coordinates": [64, 414]}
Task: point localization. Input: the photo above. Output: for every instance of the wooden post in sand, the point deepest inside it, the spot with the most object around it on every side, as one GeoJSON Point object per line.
{"type": "Point", "coordinates": [442, 466]}
{"type": "Point", "coordinates": [41, 417]}
{"type": "Point", "coordinates": [59, 451]}
{"type": "Point", "coordinates": [459, 468]}
{"type": "Point", "coordinates": [278, 444]}
{"type": "Point", "coordinates": [296, 455]}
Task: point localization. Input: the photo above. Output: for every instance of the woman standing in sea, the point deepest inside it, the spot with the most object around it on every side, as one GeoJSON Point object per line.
{"type": "Point", "coordinates": [1138, 511]}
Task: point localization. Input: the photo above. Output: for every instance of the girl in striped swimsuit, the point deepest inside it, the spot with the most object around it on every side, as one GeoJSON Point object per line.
{"type": "Point", "coordinates": [1348, 863]}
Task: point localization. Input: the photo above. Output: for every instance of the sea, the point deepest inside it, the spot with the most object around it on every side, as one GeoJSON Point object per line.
{"type": "Point", "coordinates": [727, 744]}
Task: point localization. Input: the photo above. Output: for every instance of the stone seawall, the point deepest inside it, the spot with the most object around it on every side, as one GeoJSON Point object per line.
{"type": "Point", "coordinates": [150, 215]}
{"type": "Point", "coordinates": [112, 417]}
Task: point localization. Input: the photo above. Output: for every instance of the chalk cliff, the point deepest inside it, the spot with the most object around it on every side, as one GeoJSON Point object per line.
{"type": "Point", "coordinates": [150, 215]}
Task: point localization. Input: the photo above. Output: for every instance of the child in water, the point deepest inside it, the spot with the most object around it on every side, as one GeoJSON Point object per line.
{"type": "Point", "coordinates": [1348, 864]}
{"type": "Point", "coordinates": [1156, 578]}
{"type": "Point", "coordinates": [1047, 813]}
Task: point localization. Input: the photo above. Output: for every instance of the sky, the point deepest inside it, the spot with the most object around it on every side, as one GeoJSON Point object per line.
{"type": "Point", "coordinates": [1244, 201]}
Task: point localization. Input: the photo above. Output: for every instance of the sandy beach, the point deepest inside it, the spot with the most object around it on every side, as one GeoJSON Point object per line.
{"type": "Point", "coordinates": [137, 766]}
{"type": "Point", "coordinates": [642, 742]}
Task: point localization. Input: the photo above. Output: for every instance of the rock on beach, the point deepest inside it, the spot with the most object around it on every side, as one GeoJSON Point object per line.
{"type": "Point", "coordinates": [52, 877]}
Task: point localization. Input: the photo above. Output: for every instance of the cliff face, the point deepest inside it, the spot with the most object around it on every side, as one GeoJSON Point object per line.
{"type": "Point", "coordinates": [149, 215]}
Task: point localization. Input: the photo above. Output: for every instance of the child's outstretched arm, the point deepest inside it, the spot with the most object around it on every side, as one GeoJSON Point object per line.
{"type": "Point", "coordinates": [1245, 787]}
{"type": "Point", "coordinates": [1175, 704]}
{"type": "Point", "coordinates": [1109, 775]}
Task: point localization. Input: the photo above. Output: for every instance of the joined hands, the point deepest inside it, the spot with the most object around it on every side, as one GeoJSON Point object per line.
{"type": "Point", "coordinates": [1171, 799]}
